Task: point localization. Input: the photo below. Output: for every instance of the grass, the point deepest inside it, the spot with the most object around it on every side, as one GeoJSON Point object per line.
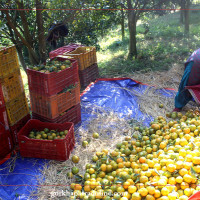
{"type": "Point", "coordinates": [164, 45]}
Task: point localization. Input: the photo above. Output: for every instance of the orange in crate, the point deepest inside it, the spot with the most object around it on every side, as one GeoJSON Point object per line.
{"type": "Point", "coordinates": [12, 86]}
{"type": "Point", "coordinates": [57, 149]}
{"type": "Point", "coordinates": [52, 106]}
{"type": "Point", "coordinates": [8, 61]}
{"type": "Point", "coordinates": [86, 56]}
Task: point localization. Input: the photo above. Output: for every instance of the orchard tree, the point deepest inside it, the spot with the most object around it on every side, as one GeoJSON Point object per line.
{"type": "Point", "coordinates": [26, 24]}
{"type": "Point", "coordinates": [137, 8]}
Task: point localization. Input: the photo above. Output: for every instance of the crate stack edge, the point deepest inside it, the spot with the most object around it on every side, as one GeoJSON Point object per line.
{"type": "Point", "coordinates": [50, 101]}
{"type": "Point", "coordinates": [87, 61]}
{"type": "Point", "coordinates": [14, 111]}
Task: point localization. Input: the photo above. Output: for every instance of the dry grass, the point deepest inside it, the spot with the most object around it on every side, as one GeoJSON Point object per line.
{"type": "Point", "coordinates": [112, 129]}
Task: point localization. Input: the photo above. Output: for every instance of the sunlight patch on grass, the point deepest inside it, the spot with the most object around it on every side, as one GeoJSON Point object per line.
{"type": "Point", "coordinates": [108, 56]}
{"type": "Point", "coordinates": [24, 76]}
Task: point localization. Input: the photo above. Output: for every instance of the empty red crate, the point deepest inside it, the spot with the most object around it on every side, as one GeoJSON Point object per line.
{"type": "Point", "coordinates": [88, 75]}
{"type": "Point", "coordinates": [17, 127]}
{"type": "Point", "coordinates": [52, 106]}
{"type": "Point", "coordinates": [57, 149]}
{"type": "Point", "coordinates": [3, 118]}
{"type": "Point", "coordinates": [54, 82]}
{"type": "Point", "coordinates": [64, 49]}
{"type": "Point", "coordinates": [71, 115]}
{"type": "Point", "coordinates": [6, 144]}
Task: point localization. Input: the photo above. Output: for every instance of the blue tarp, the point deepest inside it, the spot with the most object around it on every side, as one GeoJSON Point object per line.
{"type": "Point", "coordinates": [116, 95]}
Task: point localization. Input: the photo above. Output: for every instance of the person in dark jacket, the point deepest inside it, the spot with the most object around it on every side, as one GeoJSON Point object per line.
{"type": "Point", "coordinates": [191, 77]}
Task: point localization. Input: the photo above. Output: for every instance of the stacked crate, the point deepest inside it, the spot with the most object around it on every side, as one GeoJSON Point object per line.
{"type": "Point", "coordinates": [55, 96]}
{"type": "Point", "coordinates": [14, 112]}
{"type": "Point", "coordinates": [87, 62]}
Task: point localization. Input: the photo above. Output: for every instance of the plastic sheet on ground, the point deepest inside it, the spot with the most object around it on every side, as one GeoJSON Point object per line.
{"type": "Point", "coordinates": [110, 94]}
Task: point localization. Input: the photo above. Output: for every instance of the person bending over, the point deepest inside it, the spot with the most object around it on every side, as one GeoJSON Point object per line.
{"type": "Point", "coordinates": [190, 82]}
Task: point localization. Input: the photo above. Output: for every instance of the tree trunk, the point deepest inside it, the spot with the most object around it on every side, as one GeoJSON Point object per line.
{"type": "Point", "coordinates": [187, 20]}
{"type": "Point", "coordinates": [21, 57]}
{"type": "Point", "coordinates": [32, 57]}
{"type": "Point", "coordinates": [41, 37]}
{"type": "Point", "coordinates": [182, 11]}
{"type": "Point", "coordinates": [25, 25]}
{"type": "Point", "coordinates": [122, 22]}
{"type": "Point", "coordinates": [132, 34]}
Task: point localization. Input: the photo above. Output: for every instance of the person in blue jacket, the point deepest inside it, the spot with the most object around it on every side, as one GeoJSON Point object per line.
{"type": "Point", "coordinates": [190, 77]}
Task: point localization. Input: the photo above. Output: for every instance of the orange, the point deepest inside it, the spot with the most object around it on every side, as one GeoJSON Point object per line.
{"type": "Point", "coordinates": [184, 185]}
{"type": "Point", "coordinates": [151, 189]}
{"type": "Point", "coordinates": [157, 193]}
{"type": "Point", "coordinates": [75, 159]}
{"type": "Point", "coordinates": [91, 171]}
{"type": "Point", "coordinates": [77, 187]}
{"type": "Point", "coordinates": [120, 165]}
{"type": "Point", "coordinates": [136, 196]}
{"type": "Point", "coordinates": [179, 179]}
{"type": "Point", "coordinates": [108, 168]}
{"type": "Point", "coordinates": [127, 164]}
{"type": "Point", "coordinates": [142, 160]}
{"type": "Point", "coordinates": [132, 189]}
{"type": "Point", "coordinates": [183, 171]}
{"type": "Point", "coordinates": [164, 191]}
{"type": "Point", "coordinates": [196, 160]}
{"type": "Point", "coordinates": [186, 130]}
{"type": "Point", "coordinates": [188, 192]}
{"type": "Point", "coordinates": [163, 145]}
{"type": "Point", "coordinates": [187, 178]}
{"type": "Point", "coordinates": [150, 163]}
{"type": "Point", "coordinates": [126, 185]}
{"type": "Point", "coordinates": [143, 192]}
{"type": "Point", "coordinates": [130, 181]}
{"type": "Point", "coordinates": [103, 167]}
{"type": "Point", "coordinates": [171, 168]}
{"type": "Point", "coordinates": [72, 186]}
{"type": "Point", "coordinates": [172, 181]}
{"type": "Point", "coordinates": [144, 166]}
{"type": "Point", "coordinates": [179, 164]}
{"type": "Point", "coordinates": [119, 160]}
{"type": "Point", "coordinates": [143, 179]}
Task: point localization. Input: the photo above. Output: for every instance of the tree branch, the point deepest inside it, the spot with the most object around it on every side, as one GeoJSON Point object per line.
{"type": "Point", "coordinates": [24, 22]}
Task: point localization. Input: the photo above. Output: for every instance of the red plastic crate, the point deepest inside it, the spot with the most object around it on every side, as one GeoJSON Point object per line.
{"type": "Point", "coordinates": [17, 127]}
{"type": "Point", "coordinates": [54, 82]}
{"type": "Point", "coordinates": [3, 118]}
{"type": "Point", "coordinates": [88, 75]}
{"type": "Point", "coordinates": [195, 196]}
{"type": "Point", "coordinates": [52, 106]}
{"type": "Point", "coordinates": [57, 149]}
{"type": "Point", "coordinates": [71, 115]}
{"type": "Point", "coordinates": [6, 144]}
{"type": "Point", "coordinates": [64, 49]}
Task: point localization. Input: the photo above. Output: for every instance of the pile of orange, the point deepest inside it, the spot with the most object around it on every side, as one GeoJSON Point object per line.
{"type": "Point", "coordinates": [162, 162]}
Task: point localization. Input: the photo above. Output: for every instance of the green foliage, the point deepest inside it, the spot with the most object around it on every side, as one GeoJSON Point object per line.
{"type": "Point", "coordinates": [163, 45]}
